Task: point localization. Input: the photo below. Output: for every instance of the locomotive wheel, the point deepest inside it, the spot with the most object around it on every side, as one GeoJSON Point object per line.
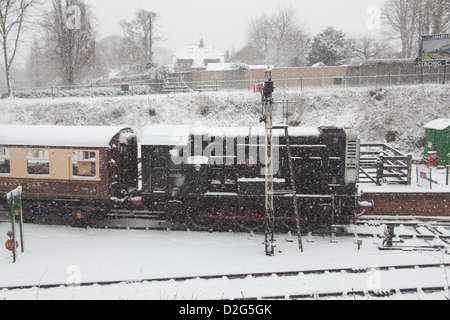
{"type": "Point", "coordinates": [201, 218]}
{"type": "Point", "coordinates": [248, 220]}
{"type": "Point", "coordinates": [291, 225]}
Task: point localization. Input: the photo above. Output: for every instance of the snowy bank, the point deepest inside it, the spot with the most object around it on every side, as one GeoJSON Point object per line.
{"type": "Point", "coordinates": [400, 112]}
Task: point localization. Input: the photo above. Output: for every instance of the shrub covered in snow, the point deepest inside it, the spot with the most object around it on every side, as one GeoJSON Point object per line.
{"type": "Point", "coordinates": [94, 91]}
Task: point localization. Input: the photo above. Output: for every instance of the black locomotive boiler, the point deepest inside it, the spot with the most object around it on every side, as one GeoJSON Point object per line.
{"type": "Point", "coordinates": [214, 178]}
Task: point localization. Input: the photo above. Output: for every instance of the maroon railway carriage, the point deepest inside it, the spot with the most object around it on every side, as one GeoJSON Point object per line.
{"type": "Point", "coordinates": [68, 173]}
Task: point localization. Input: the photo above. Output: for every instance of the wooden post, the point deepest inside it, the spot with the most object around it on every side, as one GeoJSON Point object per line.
{"type": "Point", "coordinates": [409, 163]}
{"type": "Point", "coordinates": [359, 78]}
{"type": "Point", "coordinates": [445, 75]}
{"type": "Point", "coordinates": [447, 179]}
{"type": "Point", "coordinates": [438, 75]}
{"type": "Point", "coordinates": [294, 188]}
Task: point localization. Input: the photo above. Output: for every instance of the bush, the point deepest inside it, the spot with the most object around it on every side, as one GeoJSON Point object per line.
{"type": "Point", "coordinates": [104, 91]}
{"type": "Point", "coordinates": [377, 94]}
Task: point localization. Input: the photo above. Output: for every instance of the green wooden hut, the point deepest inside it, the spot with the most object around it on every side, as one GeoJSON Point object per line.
{"type": "Point", "coordinates": [437, 138]}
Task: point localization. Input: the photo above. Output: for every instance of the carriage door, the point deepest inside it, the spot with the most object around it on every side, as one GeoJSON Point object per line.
{"type": "Point", "coordinates": [128, 163]}
{"type": "Point", "coordinates": [158, 176]}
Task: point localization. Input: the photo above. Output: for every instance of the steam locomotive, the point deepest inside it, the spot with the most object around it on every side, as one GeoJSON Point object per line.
{"type": "Point", "coordinates": [207, 178]}
{"type": "Point", "coordinates": [214, 177]}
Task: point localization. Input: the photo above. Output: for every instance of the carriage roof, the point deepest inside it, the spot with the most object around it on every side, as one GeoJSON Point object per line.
{"type": "Point", "coordinates": [172, 135]}
{"type": "Point", "coordinates": [59, 136]}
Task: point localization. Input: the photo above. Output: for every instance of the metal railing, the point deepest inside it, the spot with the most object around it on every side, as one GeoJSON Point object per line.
{"type": "Point", "coordinates": [381, 163]}
{"type": "Point", "coordinates": [180, 84]}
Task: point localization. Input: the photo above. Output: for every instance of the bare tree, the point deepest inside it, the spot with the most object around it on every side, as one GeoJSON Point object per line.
{"type": "Point", "coordinates": [280, 37]}
{"type": "Point", "coordinates": [440, 12]}
{"type": "Point", "coordinates": [409, 20]}
{"type": "Point", "coordinates": [400, 16]}
{"type": "Point", "coordinates": [433, 16]}
{"type": "Point", "coordinates": [367, 48]}
{"type": "Point", "coordinates": [13, 15]}
{"type": "Point", "coordinates": [70, 39]}
{"type": "Point", "coordinates": [141, 34]}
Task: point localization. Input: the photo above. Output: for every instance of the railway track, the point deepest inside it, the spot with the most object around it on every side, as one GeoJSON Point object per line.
{"type": "Point", "coordinates": [423, 228]}
{"type": "Point", "coordinates": [426, 279]}
{"type": "Point", "coordinates": [407, 233]}
{"type": "Point", "coordinates": [366, 226]}
{"type": "Point", "coordinates": [403, 233]}
{"type": "Point", "coordinates": [405, 220]}
{"type": "Point", "coordinates": [407, 228]}
{"type": "Point", "coordinates": [359, 282]}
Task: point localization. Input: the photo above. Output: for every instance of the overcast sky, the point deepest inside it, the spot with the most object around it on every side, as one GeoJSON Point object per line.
{"type": "Point", "coordinates": [222, 23]}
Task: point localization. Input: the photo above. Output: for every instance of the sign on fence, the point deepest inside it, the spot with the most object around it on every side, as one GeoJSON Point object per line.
{"type": "Point", "coordinates": [434, 51]}
{"type": "Point", "coordinates": [424, 177]}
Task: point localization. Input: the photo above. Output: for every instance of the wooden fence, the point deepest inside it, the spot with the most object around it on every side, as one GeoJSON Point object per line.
{"type": "Point", "coordinates": [381, 163]}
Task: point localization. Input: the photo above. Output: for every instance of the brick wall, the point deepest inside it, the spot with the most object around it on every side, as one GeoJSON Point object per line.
{"type": "Point", "coordinates": [284, 77]}
{"type": "Point", "coordinates": [371, 72]}
{"type": "Point", "coordinates": [409, 204]}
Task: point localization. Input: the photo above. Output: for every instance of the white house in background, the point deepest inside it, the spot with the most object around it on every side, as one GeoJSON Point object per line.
{"type": "Point", "coordinates": [197, 57]}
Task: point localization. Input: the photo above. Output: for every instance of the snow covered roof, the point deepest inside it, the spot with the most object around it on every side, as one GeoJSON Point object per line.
{"type": "Point", "coordinates": [293, 131]}
{"type": "Point", "coordinates": [319, 64]}
{"type": "Point", "coordinates": [58, 136]}
{"type": "Point", "coordinates": [178, 135]}
{"type": "Point", "coordinates": [438, 124]}
{"type": "Point", "coordinates": [233, 132]}
{"type": "Point", "coordinates": [198, 54]}
{"type": "Point", "coordinates": [166, 135]}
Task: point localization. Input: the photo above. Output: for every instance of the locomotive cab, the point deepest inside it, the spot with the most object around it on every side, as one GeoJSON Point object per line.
{"type": "Point", "coordinates": [164, 159]}
{"type": "Point", "coordinates": [128, 150]}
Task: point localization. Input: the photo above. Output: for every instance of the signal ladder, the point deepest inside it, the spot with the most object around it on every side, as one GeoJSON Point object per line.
{"type": "Point", "coordinates": [267, 118]}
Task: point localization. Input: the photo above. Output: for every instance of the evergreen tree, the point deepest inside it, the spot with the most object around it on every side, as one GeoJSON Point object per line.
{"type": "Point", "coordinates": [330, 47]}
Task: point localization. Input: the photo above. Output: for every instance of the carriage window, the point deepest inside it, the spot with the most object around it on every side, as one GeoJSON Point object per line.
{"type": "Point", "coordinates": [38, 162]}
{"type": "Point", "coordinates": [84, 163]}
{"type": "Point", "coordinates": [4, 161]}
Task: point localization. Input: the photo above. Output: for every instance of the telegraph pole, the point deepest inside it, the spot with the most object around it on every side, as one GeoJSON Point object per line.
{"type": "Point", "coordinates": [267, 117]}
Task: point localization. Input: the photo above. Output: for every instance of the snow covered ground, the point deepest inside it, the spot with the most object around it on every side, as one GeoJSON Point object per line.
{"type": "Point", "coordinates": [61, 255]}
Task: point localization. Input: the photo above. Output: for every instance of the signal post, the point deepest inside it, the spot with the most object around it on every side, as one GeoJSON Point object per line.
{"type": "Point", "coordinates": [14, 203]}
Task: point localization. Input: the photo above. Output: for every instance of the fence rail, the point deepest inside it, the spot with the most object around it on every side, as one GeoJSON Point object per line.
{"type": "Point", "coordinates": [179, 84]}
{"type": "Point", "coordinates": [380, 163]}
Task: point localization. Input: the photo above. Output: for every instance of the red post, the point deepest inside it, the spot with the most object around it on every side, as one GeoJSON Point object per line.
{"type": "Point", "coordinates": [432, 159]}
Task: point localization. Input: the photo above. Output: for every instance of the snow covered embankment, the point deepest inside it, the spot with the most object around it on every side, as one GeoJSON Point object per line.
{"type": "Point", "coordinates": [400, 112]}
